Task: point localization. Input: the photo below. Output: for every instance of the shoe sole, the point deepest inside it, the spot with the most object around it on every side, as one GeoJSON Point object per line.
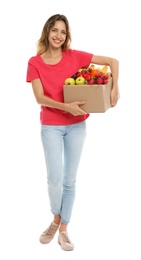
{"type": "Point", "coordinates": [69, 249]}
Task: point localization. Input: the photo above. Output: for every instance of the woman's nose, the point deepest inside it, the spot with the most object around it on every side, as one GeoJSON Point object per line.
{"type": "Point", "coordinates": [58, 34]}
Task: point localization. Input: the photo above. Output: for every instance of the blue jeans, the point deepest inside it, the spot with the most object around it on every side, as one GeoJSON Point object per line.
{"type": "Point", "coordinates": [62, 148]}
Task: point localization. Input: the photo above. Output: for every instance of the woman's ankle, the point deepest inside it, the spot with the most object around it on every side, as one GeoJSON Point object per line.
{"type": "Point", "coordinates": [63, 227]}
{"type": "Point", "coordinates": [57, 219]}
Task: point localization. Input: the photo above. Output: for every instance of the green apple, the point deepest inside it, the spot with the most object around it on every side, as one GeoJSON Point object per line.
{"type": "Point", "coordinates": [70, 81]}
{"type": "Point", "coordinates": [80, 81]}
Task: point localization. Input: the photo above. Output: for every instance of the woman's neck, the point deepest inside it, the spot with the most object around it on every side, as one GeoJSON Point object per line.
{"type": "Point", "coordinates": [53, 53]}
{"type": "Point", "coordinates": [51, 56]}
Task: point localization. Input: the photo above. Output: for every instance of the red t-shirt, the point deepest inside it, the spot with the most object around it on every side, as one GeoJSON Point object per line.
{"type": "Point", "coordinates": [52, 78]}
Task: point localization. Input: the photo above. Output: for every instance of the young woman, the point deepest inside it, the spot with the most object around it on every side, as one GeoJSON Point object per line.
{"type": "Point", "coordinates": [63, 125]}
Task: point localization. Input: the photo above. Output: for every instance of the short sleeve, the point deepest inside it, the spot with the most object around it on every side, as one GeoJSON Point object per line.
{"type": "Point", "coordinates": [32, 72]}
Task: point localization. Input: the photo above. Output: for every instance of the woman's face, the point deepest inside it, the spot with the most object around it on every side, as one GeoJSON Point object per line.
{"type": "Point", "coordinates": [57, 35]}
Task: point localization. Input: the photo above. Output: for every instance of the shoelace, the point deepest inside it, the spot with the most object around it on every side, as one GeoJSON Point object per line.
{"type": "Point", "coordinates": [50, 231]}
{"type": "Point", "coordinates": [65, 237]}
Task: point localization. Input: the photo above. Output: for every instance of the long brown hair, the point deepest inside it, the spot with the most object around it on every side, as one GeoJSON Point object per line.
{"type": "Point", "coordinates": [43, 43]}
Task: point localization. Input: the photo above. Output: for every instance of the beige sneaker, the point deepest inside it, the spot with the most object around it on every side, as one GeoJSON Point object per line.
{"type": "Point", "coordinates": [65, 242]}
{"type": "Point", "coordinates": [49, 233]}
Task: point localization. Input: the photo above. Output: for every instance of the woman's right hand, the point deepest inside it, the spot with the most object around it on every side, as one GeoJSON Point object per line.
{"type": "Point", "coordinates": [74, 108]}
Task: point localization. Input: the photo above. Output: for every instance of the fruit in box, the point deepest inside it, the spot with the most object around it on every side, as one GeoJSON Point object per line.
{"type": "Point", "coordinates": [95, 90]}
{"type": "Point", "coordinates": [70, 81]}
{"type": "Point", "coordinates": [80, 81]}
{"type": "Point", "coordinates": [90, 76]}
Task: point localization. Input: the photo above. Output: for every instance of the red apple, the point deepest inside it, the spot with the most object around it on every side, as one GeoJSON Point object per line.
{"type": "Point", "coordinates": [99, 81]}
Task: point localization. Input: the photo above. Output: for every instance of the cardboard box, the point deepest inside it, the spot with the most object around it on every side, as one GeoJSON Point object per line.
{"type": "Point", "coordinates": [97, 97]}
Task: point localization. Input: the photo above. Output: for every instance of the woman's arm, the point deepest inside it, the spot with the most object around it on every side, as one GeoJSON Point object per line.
{"type": "Point", "coordinates": [41, 99]}
{"type": "Point", "coordinates": [114, 67]}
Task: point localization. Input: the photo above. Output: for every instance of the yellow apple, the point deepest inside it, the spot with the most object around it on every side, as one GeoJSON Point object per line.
{"type": "Point", "coordinates": [70, 81]}
{"type": "Point", "coordinates": [80, 81]}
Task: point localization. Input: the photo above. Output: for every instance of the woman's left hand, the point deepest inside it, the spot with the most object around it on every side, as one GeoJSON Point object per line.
{"type": "Point", "coordinates": [114, 96]}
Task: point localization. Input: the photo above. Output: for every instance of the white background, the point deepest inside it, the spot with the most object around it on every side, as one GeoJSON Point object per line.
{"type": "Point", "coordinates": [106, 219]}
